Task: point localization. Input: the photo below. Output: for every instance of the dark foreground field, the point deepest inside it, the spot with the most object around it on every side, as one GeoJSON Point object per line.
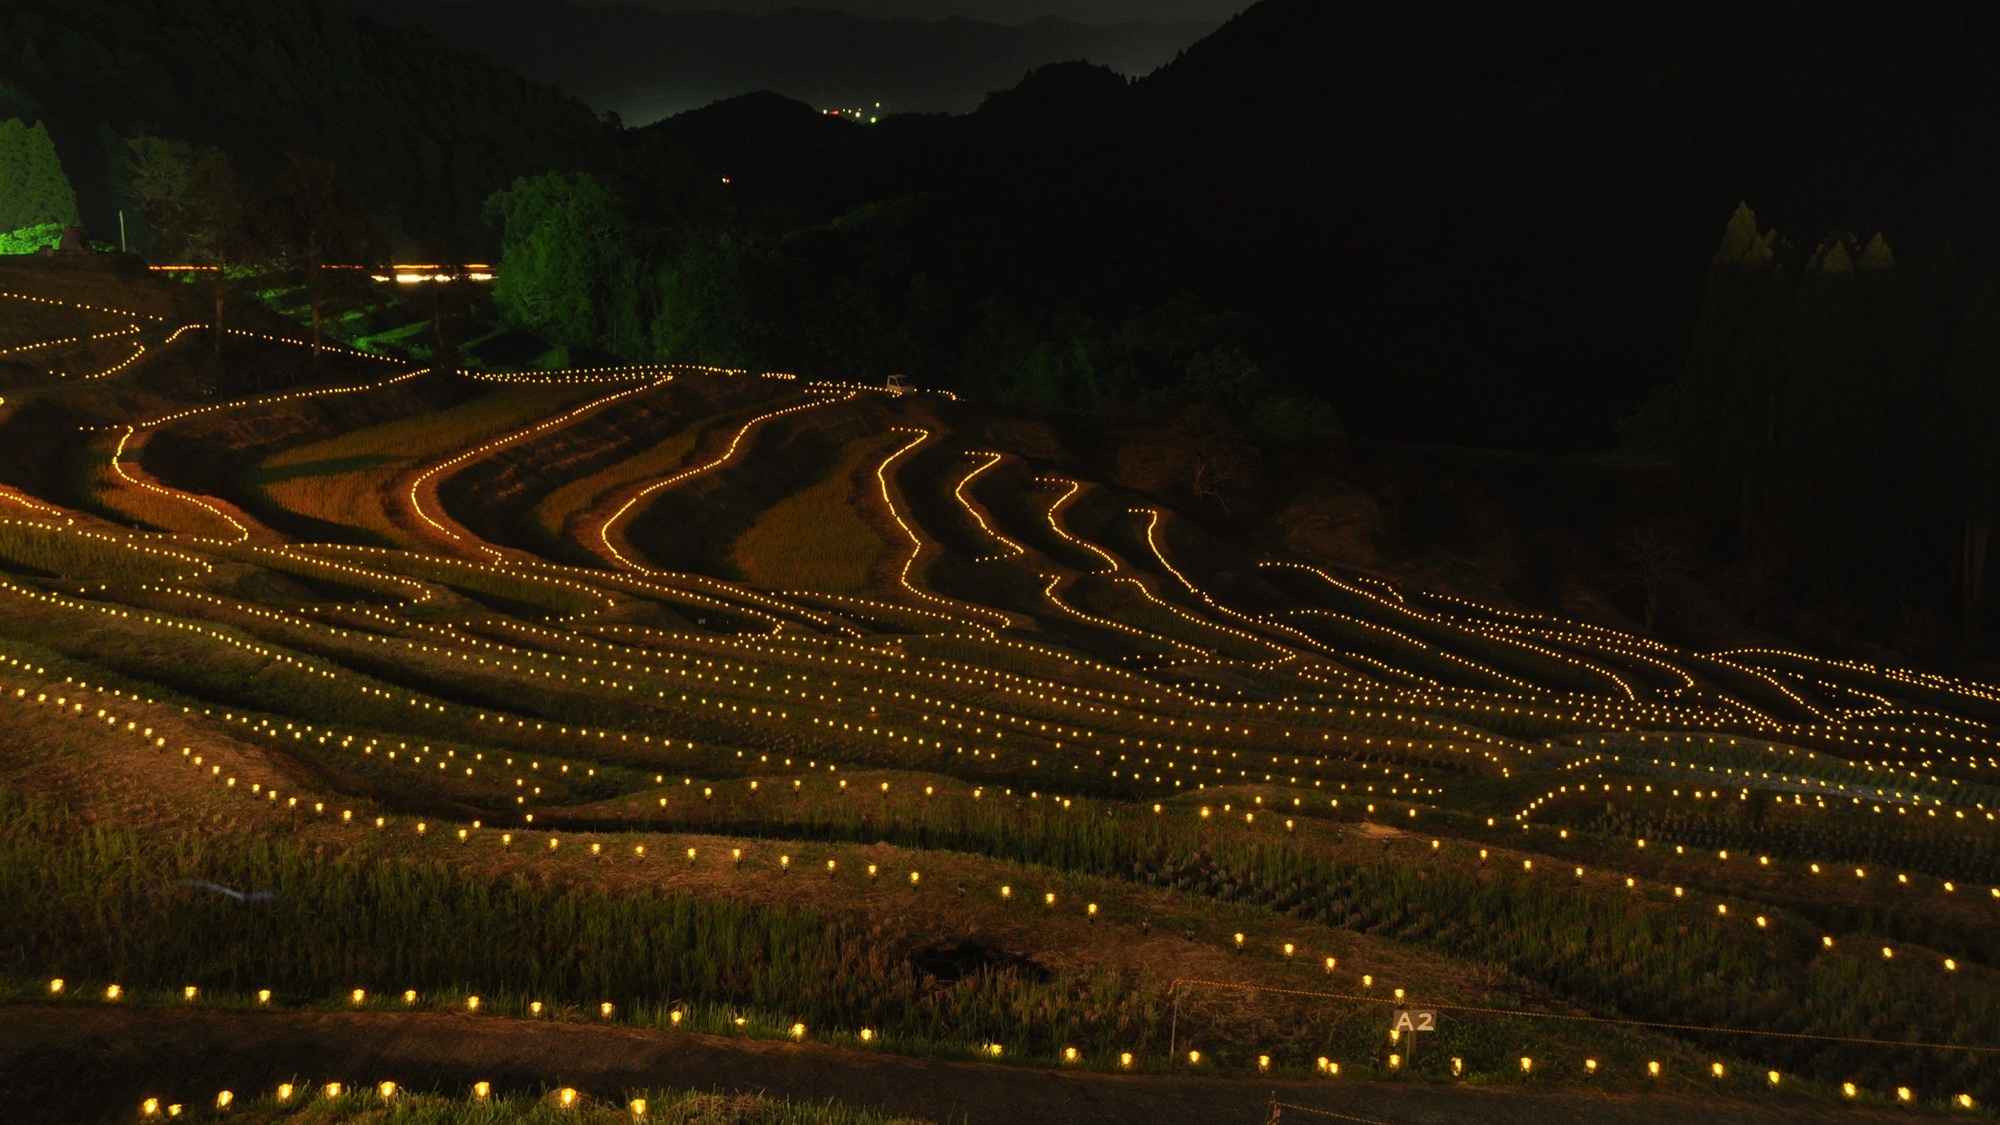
{"type": "Point", "coordinates": [78, 1064]}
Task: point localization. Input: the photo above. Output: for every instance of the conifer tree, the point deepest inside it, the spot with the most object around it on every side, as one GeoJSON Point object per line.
{"type": "Point", "coordinates": [33, 189]}
{"type": "Point", "coordinates": [196, 202]}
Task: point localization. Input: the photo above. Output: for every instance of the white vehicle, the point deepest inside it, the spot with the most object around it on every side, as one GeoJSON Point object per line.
{"type": "Point", "coordinates": [897, 385]}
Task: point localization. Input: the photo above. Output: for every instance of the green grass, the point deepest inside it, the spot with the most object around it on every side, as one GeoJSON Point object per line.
{"type": "Point", "coordinates": [36, 546]}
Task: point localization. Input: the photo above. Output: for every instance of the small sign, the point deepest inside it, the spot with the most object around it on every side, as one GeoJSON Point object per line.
{"type": "Point", "coordinates": [1415, 1019]}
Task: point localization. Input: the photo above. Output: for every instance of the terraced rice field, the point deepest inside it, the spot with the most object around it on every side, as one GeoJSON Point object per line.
{"type": "Point", "coordinates": [739, 704]}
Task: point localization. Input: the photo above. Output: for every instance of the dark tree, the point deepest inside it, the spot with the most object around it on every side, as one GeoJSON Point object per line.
{"type": "Point", "coordinates": [318, 230]}
{"type": "Point", "coordinates": [33, 190]}
{"type": "Point", "coordinates": [196, 204]}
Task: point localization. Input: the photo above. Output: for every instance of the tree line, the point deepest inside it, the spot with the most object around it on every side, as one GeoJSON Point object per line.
{"type": "Point", "coordinates": [680, 273]}
{"type": "Point", "coordinates": [305, 228]}
{"type": "Point", "coordinates": [1835, 439]}
{"type": "Point", "coordinates": [36, 200]}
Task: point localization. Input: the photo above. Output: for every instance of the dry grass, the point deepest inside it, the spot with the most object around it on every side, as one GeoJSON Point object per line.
{"type": "Point", "coordinates": [817, 537]}
{"type": "Point", "coordinates": [347, 479]}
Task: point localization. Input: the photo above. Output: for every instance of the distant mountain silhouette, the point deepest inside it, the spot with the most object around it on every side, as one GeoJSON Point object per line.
{"type": "Point", "coordinates": [747, 135]}
{"type": "Point", "coordinates": [647, 64]}
{"type": "Point", "coordinates": [1484, 224]}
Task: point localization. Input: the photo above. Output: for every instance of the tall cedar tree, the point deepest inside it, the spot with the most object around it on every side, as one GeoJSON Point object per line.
{"type": "Point", "coordinates": [1838, 425]}
{"type": "Point", "coordinates": [33, 189]}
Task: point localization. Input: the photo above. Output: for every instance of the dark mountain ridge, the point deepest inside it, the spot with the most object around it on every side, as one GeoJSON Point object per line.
{"type": "Point", "coordinates": [1485, 228]}
{"type": "Point", "coordinates": [647, 64]}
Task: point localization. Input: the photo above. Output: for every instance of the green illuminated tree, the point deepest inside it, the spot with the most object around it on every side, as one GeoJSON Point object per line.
{"type": "Point", "coordinates": [567, 265]}
{"type": "Point", "coordinates": [33, 189]}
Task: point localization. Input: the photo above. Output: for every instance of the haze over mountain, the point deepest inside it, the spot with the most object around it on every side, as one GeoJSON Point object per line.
{"type": "Point", "coordinates": [645, 64]}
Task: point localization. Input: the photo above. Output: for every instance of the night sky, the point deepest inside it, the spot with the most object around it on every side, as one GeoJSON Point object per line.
{"type": "Point", "coordinates": [997, 11]}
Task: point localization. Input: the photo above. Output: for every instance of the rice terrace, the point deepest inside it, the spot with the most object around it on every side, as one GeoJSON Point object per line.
{"type": "Point", "coordinates": [875, 739]}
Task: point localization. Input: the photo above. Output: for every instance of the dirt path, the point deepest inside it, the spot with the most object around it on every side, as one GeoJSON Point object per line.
{"type": "Point", "coordinates": [76, 1064]}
